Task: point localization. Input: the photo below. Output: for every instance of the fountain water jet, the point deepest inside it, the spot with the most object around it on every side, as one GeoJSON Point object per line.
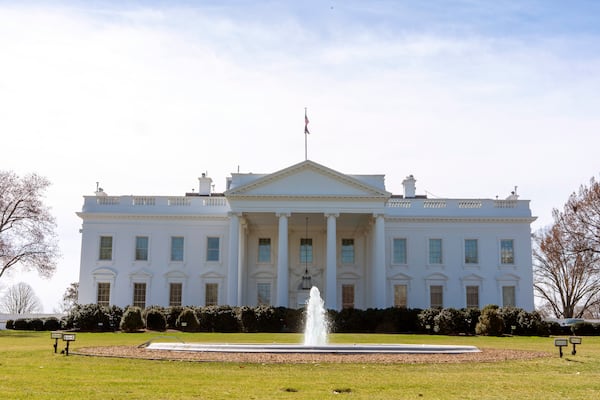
{"type": "Point", "coordinates": [317, 326]}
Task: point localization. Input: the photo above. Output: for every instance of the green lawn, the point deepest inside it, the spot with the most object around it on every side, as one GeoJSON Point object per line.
{"type": "Point", "coordinates": [29, 369]}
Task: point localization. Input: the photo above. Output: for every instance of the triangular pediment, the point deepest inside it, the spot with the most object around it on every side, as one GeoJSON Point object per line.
{"type": "Point", "coordinates": [309, 179]}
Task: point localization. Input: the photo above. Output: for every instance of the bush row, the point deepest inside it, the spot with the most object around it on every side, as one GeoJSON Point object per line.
{"type": "Point", "coordinates": [35, 324]}
{"type": "Point", "coordinates": [491, 320]}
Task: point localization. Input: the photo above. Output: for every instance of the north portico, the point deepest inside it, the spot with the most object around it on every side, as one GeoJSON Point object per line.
{"type": "Point", "coordinates": [309, 202]}
{"type": "Point", "coordinates": [361, 245]}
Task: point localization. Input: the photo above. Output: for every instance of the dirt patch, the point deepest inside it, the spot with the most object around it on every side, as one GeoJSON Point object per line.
{"type": "Point", "coordinates": [486, 355]}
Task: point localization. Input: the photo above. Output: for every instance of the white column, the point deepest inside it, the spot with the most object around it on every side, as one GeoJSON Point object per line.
{"type": "Point", "coordinates": [331, 267]}
{"type": "Point", "coordinates": [234, 251]}
{"type": "Point", "coordinates": [378, 273]}
{"type": "Point", "coordinates": [282, 261]}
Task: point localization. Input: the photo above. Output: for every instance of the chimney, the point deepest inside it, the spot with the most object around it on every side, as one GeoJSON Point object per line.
{"type": "Point", "coordinates": [205, 185]}
{"type": "Point", "coordinates": [409, 186]}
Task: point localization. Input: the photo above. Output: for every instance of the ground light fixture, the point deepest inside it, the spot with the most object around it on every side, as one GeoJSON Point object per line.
{"type": "Point", "coordinates": [574, 340]}
{"type": "Point", "coordinates": [560, 343]}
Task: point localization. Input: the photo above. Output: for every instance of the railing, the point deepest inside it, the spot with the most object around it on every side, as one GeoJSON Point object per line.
{"type": "Point", "coordinates": [144, 201]}
{"type": "Point", "coordinates": [163, 202]}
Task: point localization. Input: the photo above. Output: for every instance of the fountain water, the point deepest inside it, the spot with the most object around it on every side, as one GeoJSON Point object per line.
{"type": "Point", "coordinates": [317, 327]}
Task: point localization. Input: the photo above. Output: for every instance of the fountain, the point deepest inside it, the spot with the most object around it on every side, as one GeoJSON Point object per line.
{"type": "Point", "coordinates": [315, 340]}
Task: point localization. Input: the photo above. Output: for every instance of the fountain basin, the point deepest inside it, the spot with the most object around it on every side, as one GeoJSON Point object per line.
{"type": "Point", "coordinates": [324, 349]}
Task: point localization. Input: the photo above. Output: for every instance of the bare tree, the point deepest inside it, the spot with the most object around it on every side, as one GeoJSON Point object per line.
{"type": "Point", "coordinates": [20, 299]}
{"type": "Point", "coordinates": [70, 297]}
{"type": "Point", "coordinates": [567, 256]}
{"type": "Point", "coordinates": [27, 229]}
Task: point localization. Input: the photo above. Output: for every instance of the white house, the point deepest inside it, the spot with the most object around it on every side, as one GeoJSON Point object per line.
{"type": "Point", "coordinates": [270, 236]}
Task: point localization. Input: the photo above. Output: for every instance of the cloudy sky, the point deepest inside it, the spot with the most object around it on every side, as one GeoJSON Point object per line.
{"type": "Point", "coordinates": [472, 97]}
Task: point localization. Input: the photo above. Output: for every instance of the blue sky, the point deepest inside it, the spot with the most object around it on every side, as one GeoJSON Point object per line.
{"type": "Point", "coordinates": [472, 97]}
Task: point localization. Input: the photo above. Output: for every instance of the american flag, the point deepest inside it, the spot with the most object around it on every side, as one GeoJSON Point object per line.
{"type": "Point", "coordinates": [305, 122]}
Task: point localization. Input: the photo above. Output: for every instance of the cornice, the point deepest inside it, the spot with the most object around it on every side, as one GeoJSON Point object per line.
{"type": "Point", "coordinates": [511, 220]}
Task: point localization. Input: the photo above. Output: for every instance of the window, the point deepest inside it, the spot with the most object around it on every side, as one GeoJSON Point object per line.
{"type": "Point", "coordinates": [212, 249]}
{"type": "Point", "coordinates": [399, 256]}
{"type": "Point", "coordinates": [306, 251]}
{"type": "Point", "coordinates": [141, 248]}
{"type": "Point", "coordinates": [175, 292]}
{"type": "Point", "coordinates": [106, 243]}
{"type": "Point", "coordinates": [508, 296]}
{"type": "Point", "coordinates": [436, 296]}
{"type": "Point", "coordinates": [347, 296]}
{"type": "Point", "coordinates": [435, 251]}
{"type": "Point", "coordinates": [400, 296]}
{"type": "Point", "coordinates": [103, 296]}
{"type": "Point", "coordinates": [507, 251]}
{"type": "Point", "coordinates": [264, 250]}
{"type": "Point", "coordinates": [139, 295]}
{"type": "Point", "coordinates": [347, 251]}
{"type": "Point", "coordinates": [176, 248]}
{"type": "Point", "coordinates": [471, 253]}
{"type": "Point", "coordinates": [472, 296]}
{"type": "Point", "coordinates": [211, 297]}
{"type": "Point", "coordinates": [264, 294]}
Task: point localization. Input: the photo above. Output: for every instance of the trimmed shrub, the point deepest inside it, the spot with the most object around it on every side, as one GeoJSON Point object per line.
{"type": "Point", "coordinates": [10, 324]}
{"type": "Point", "coordinates": [247, 318]}
{"type": "Point", "coordinates": [155, 319]}
{"type": "Point", "coordinates": [187, 321]}
{"type": "Point", "coordinates": [21, 324]}
{"type": "Point", "coordinates": [52, 324]}
{"type": "Point", "coordinates": [530, 323]}
{"type": "Point", "coordinates": [266, 319]}
{"type": "Point", "coordinates": [132, 320]}
{"type": "Point", "coordinates": [172, 313]}
{"type": "Point", "coordinates": [36, 324]}
{"type": "Point", "coordinates": [490, 322]}
{"type": "Point", "coordinates": [585, 329]}
{"type": "Point", "coordinates": [427, 319]}
{"type": "Point", "coordinates": [218, 319]}
{"type": "Point", "coordinates": [449, 321]}
{"type": "Point", "coordinates": [92, 318]}
{"type": "Point", "coordinates": [510, 317]}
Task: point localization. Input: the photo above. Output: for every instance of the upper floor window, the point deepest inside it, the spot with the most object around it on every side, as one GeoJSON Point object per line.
{"type": "Point", "coordinates": [106, 247]}
{"type": "Point", "coordinates": [212, 249]}
{"type": "Point", "coordinates": [399, 256]}
{"type": "Point", "coordinates": [507, 251]}
{"type": "Point", "coordinates": [435, 251]}
{"type": "Point", "coordinates": [141, 248]}
{"type": "Point", "coordinates": [176, 248]}
{"type": "Point", "coordinates": [306, 251]}
{"type": "Point", "coordinates": [471, 251]}
{"type": "Point", "coordinates": [347, 251]}
{"type": "Point", "coordinates": [264, 250]}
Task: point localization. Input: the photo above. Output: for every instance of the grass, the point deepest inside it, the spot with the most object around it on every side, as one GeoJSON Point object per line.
{"type": "Point", "coordinates": [30, 370]}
